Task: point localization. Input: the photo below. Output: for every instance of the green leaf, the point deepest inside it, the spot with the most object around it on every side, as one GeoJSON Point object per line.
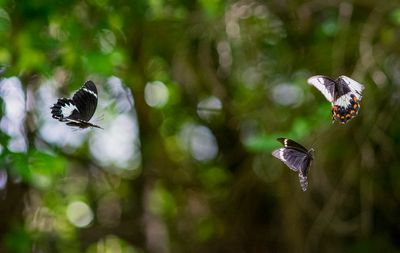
{"type": "Point", "coordinates": [45, 168]}
{"type": "Point", "coordinates": [18, 240]}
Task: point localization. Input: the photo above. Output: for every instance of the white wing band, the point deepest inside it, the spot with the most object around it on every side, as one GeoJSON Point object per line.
{"type": "Point", "coordinates": [91, 92]}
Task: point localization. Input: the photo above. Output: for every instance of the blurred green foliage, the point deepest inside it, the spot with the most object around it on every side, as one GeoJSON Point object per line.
{"type": "Point", "coordinates": [228, 79]}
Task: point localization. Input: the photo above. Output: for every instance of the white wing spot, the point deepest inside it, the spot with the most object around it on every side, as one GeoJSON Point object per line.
{"type": "Point", "coordinates": [67, 110]}
{"type": "Point", "coordinates": [344, 100]}
{"type": "Point", "coordinates": [91, 92]}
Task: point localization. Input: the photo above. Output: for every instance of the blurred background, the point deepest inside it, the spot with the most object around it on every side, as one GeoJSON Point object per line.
{"type": "Point", "coordinates": [192, 96]}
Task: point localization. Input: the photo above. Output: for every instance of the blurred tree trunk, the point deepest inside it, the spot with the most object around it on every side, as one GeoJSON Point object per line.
{"type": "Point", "coordinates": [154, 158]}
{"type": "Point", "coordinates": [11, 209]}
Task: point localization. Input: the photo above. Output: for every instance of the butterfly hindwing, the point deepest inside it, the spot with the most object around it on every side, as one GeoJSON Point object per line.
{"type": "Point", "coordinates": [303, 181]}
{"type": "Point", "coordinates": [63, 109]}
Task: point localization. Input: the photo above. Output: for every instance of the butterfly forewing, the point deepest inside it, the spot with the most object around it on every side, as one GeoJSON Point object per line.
{"type": "Point", "coordinates": [325, 85]}
{"type": "Point", "coordinates": [292, 157]}
{"type": "Point", "coordinates": [354, 86]}
{"type": "Point", "coordinates": [85, 100]}
{"type": "Point", "coordinates": [291, 143]}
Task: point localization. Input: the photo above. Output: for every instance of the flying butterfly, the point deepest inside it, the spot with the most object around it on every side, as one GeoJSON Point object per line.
{"type": "Point", "coordinates": [78, 110]}
{"type": "Point", "coordinates": [344, 93]}
{"type": "Point", "coordinates": [296, 157]}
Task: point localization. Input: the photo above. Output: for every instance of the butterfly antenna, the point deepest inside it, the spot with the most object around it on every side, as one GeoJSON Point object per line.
{"type": "Point", "coordinates": [100, 117]}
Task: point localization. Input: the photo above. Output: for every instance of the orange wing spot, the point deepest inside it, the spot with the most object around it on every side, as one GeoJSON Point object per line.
{"type": "Point", "coordinates": [354, 99]}
{"type": "Point", "coordinates": [355, 106]}
{"type": "Point", "coordinates": [348, 116]}
{"type": "Point", "coordinates": [352, 112]}
{"type": "Point", "coordinates": [342, 117]}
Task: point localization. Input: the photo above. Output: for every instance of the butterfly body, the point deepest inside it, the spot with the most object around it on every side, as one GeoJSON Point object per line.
{"type": "Point", "coordinates": [78, 110]}
{"type": "Point", "coordinates": [82, 124]}
{"type": "Point", "coordinates": [344, 94]}
{"type": "Point", "coordinates": [296, 157]}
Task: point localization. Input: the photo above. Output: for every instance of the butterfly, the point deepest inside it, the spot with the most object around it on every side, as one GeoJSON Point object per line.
{"type": "Point", "coordinates": [78, 110]}
{"type": "Point", "coordinates": [344, 93]}
{"type": "Point", "coordinates": [296, 157]}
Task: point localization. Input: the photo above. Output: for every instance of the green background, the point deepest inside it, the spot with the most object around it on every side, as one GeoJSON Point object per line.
{"type": "Point", "coordinates": [213, 84]}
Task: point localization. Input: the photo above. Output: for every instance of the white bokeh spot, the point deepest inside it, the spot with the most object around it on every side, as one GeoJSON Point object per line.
{"type": "Point", "coordinates": [79, 214]}
{"type": "Point", "coordinates": [156, 94]}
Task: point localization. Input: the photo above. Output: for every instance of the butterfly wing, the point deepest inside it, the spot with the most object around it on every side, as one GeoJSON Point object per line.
{"type": "Point", "coordinates": [291, 144]}
{"type": "Point", "coordinates": [325, 85]}
{"type": "Point", "coordinates": [355, 87]}
{"type": "Point", "coordinates": [85, 100]}
{"type": "Point", "coordinates": [292, 157]}
{"type": "Point", "coordinates": [63, 109]}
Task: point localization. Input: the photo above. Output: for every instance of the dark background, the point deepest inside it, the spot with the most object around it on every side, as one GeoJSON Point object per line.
{"type": "Point", "coordinates": [192, 95]}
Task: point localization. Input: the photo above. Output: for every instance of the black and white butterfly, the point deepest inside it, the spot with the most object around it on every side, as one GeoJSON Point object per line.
{"type": "Point", "coordinates": [78, 110]}
{"type": "Point", "coordinates": [344, 93]}
{"type": "Point", "coordinates": [296, 157]}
